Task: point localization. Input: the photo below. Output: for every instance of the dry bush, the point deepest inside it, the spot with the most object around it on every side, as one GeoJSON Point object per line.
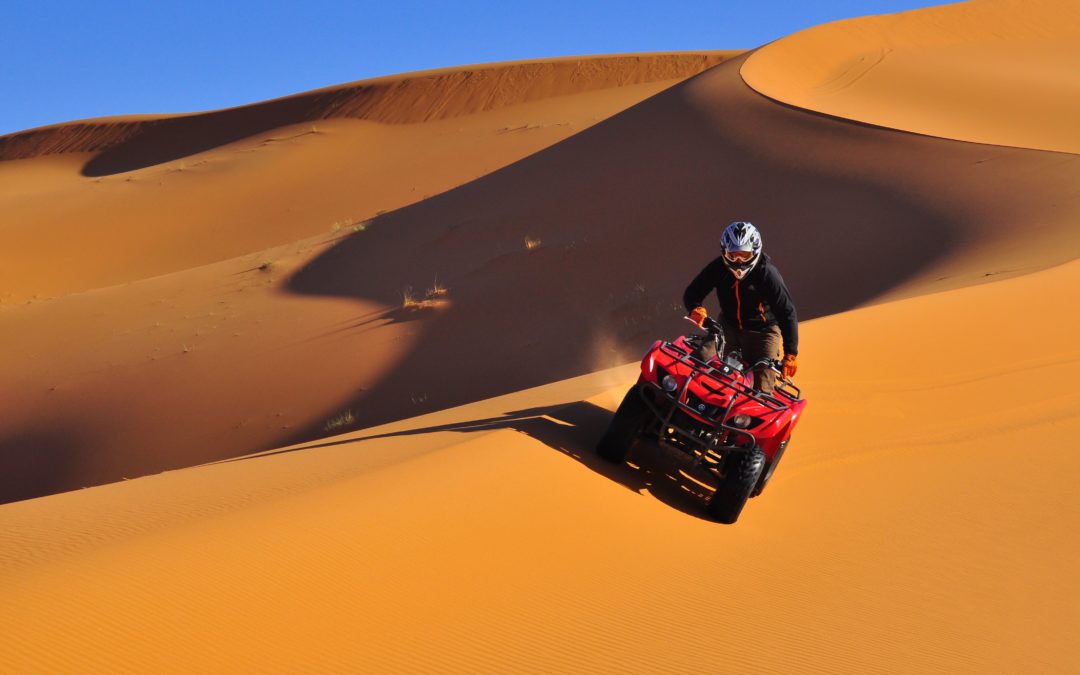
{"type": "Point", "coordinates": [342, 421]}
{"type": "Point", "coordinates": [338, 225]}
{"type": "Point", "coordinates": [410, 301]}
{"type": "Point", "coordinates": [431, 297]}
{"type": "Point", "coordinates": [436, 291]}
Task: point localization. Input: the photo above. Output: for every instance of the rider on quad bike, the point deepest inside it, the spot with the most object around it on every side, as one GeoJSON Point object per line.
{"type": "Point", "coordinates": [757, 314]}
{"type": "Point", "coordinates": [721, 399]}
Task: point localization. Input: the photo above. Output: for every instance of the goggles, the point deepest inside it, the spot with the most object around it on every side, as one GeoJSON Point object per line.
{"type": "Point", "coordinates": [738, 257]}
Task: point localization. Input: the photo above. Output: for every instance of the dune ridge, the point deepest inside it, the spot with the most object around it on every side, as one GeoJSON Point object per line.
{"type": "Point", "coordinates": [1000, 72]}
{"type": "Point", "coordinates": [400, 99]}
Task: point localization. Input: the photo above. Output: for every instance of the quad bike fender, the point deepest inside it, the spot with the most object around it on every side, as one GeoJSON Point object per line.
{"type": "Point", "coordinates": [774, 436]}
{"type": "Point", "coordinates": [649, 363]}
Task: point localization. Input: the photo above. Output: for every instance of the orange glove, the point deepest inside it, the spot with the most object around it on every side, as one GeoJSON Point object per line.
{"type": "Point", "coordinates": [698, 316]}
{"type": "Point", "coordinates": [791, 364]}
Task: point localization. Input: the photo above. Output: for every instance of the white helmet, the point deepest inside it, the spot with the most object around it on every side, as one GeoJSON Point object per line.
{"type": "Point", "coordinates": [742, 247]}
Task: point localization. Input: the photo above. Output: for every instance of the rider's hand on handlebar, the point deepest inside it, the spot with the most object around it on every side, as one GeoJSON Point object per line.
{"type": "Point", "coordinates": [698, 316]}
{"type": "Point", "coordinates": [791, 364]}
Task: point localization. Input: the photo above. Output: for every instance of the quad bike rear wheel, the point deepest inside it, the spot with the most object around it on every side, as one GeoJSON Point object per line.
{"type": "Point", "coordinates": [626, 425]}
{"type": "Point", "coordinates": [741, 473]}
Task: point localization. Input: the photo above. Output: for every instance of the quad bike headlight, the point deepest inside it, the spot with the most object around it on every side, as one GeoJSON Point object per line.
{"type": "Point", "coordinates": [741, 421]}
{"type": "Point", "coordinates": [669, 383]}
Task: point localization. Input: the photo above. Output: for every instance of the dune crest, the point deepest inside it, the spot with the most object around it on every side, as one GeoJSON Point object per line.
{"type": "Point", "coordinates": [137, 142]}
{"type": "Point", "coordinates": [1000, 72]}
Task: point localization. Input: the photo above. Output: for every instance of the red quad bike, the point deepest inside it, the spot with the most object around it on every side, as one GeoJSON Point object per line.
{"type": "Point", "coordinates": [708, 409]}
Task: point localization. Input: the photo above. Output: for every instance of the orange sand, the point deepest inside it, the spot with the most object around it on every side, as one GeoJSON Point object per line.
{"type": "Point", "coordinates": [918, 524]}
{"type": "Point", "coordinates": [211, 309]}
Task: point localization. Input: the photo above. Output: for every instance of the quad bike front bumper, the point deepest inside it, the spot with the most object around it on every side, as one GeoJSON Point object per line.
{"type": "Point", "coordinates": [678, 426]}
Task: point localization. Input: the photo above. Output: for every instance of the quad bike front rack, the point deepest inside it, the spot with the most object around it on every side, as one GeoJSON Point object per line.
{"type": "Point", "coordinates": [730, 378]}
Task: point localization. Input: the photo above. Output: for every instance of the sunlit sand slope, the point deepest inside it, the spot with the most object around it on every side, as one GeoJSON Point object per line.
{"type": "Point", "coordinates": [923, 520]}
{"type": "Point", "coordinates": [1004, 72]}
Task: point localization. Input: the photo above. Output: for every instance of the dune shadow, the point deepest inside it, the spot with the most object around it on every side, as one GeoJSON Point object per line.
{"type": "Point", "coordinates": [39, 461]}
{"type": "Point", "coordinates": [573, 429]}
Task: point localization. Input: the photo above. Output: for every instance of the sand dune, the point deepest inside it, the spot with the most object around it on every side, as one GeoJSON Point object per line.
{"type": "Point", "coordinates": [221, 309]}
{"type": "Point", "coordinates": [1002, 72]}
{"type": "Point", "coordinates": [921, 522]}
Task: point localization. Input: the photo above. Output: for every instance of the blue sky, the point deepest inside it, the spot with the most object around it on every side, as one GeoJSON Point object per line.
{"type": "Point", "coordinates": [62, 61]}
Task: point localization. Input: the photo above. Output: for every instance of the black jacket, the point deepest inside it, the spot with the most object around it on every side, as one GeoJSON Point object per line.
{"type": "Point", "coordinates": [757, 301]}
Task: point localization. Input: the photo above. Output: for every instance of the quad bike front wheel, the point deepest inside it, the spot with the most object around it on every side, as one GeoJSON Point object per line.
{"type": "Point", "coordinates": [625, 427]}
{"type": "Point", "coordinates": [769, 469]}
{"type": "Point", "coordinates": [741, 473]}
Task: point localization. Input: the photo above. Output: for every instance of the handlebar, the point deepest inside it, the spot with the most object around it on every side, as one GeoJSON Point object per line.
{"type": "Point", "coordinates": [709, 325]}
{"type": "Point", "coordinates": [777, 367]}
{"type": "Point", "coordinates": [772, 364]}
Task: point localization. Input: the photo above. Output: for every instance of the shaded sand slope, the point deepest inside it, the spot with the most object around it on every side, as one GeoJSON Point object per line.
{"type": "Point", "coordinates": [91, 204]}
{"type": "Point", "coordinates": [227, 359]}
{"type": "Point", "coordinates": [922, 521]}
{"type": "Point", "coordinates": [1003, 72]}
